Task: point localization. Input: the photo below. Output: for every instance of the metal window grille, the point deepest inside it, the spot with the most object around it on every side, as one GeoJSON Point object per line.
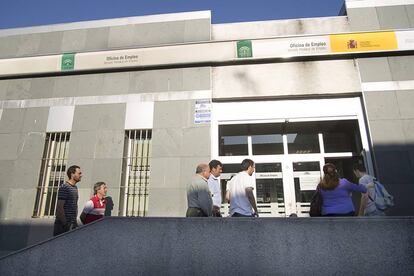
{"type": "Point", "coordinates": [136, 173]}
{"type": "Point", "coordinates": [52, 173]}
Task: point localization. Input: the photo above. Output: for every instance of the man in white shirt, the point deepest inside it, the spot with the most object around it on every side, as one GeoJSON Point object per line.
{"type": "Point", "coordinates": [240, 190]}
{"type": "Point", "coordinates": [216, 167]}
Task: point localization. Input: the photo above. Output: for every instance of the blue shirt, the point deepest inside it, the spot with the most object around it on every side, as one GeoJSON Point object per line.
{"type": "Point", "coordinates": [339, 200]}
{"type": "Point", "coordinates": [214, 186]}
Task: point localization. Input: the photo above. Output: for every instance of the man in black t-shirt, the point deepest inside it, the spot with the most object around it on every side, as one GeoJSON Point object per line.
{"type": "Point", "coordinates": [67, 202]}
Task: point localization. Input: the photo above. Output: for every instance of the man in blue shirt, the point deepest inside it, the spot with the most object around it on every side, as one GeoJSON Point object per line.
{"type": "Point", "coordinates": [216, 168]}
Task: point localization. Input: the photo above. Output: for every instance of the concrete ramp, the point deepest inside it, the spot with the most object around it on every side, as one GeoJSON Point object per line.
{"type": "Point", "coordinates": [224, 246]}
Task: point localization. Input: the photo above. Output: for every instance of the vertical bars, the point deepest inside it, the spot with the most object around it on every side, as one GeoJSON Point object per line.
{"type": "Point", "coordinates": [136, 173]}
{"type": "Point", "coordinates": [52, 173]}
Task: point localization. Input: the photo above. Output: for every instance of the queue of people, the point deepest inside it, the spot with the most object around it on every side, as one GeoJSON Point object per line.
{"type": "Point", "coordinates": [204, 195]}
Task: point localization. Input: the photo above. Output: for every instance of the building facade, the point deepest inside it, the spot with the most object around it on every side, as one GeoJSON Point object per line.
{"type": "Point", "coordinates": [139, 102]}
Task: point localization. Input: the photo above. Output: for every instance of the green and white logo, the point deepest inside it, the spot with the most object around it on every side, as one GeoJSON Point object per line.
{"type": "Point", "coordinates": [68, 62]}
{"type": "Point", "coordinates": [244, 49]}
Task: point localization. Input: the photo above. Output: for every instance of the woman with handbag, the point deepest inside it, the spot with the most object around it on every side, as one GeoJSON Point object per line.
{"type": "Point", "coordinates": [336, 193]}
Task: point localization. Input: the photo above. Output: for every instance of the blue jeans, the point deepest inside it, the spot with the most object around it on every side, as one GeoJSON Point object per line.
{"type": "Point", "coordinates": [238, 215]}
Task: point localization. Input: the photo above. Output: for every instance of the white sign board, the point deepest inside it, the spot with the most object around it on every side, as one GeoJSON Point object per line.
{"type": "Point", "coordinates": [308, 182]}
{"type": "Point", "coordinates": [268, 175]}
{"type": "Point", "coordinates": [202, 111]}
{"type": "Point", "coordinates": [405, 40]}
{"type": "Point", "coordinates": [291, 47]}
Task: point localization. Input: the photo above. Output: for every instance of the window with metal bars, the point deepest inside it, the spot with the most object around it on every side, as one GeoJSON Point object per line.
{"type": "Point", "coordinates": [52, 173]}
{"type": "Point", "coordinates": [136, 173]}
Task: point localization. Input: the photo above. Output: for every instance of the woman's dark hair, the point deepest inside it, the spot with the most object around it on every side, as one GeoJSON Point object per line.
{"type": "Point", "coordinates": [330, 179]}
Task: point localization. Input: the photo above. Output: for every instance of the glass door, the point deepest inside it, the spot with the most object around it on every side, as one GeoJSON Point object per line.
{"type": "Point", "coordinates": [289, 157]}
{"type": "Point", "coordinates": [306, 177]}
{"type": "Point", "coordinates": [269, 190]}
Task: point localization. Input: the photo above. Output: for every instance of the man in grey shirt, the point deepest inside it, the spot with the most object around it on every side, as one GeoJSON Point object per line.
{"type": "Point", "coordinates": [367, 206]}
{"type": "Point", "coordinates": [198, 194]}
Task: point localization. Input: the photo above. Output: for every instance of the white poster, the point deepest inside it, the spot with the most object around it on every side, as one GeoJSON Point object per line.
{"type": "Point", "coordinates": [202, 111]}
{"type": "Point", "coordinates": [309, 182]}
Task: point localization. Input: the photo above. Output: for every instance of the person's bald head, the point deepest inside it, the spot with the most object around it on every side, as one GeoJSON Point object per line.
{"type": "Point", "coordinates": [203, 170]}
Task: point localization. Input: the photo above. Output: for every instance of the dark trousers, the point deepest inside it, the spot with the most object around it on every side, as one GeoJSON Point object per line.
{"type": "Point", "coordinates": [217, 214]}
{"type": "Point", "coordinates": [60, 228]}
{"type": "Point", "coordinates": [195, 212]}
{"type": "Point", "coordinates": [350, 214]}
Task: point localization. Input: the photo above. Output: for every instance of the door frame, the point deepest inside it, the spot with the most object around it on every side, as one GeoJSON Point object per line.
{"type": "Point", "coordinates": [288, 111]}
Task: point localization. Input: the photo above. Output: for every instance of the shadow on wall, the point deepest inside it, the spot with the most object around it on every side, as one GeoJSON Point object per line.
{"type": "Point", "coordinates": [247, 83]}
{"type": "Point", "coordinates": [1, 208]}
{"type": "Point", "coordinates": [15, 236]}
{"type": "Point", "coordinates": [395, 169]}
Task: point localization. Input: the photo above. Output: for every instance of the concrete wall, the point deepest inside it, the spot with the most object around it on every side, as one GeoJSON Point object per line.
{"type": "Point", "coordinates": [23, 129]}
{"type": "Point", "coordinates": [389, 95]}
{"type": "Point", "coordinates": [97, 133]}
{"type": "Point", "coordinates": [105, 84]}
{"type": "Point", "coordinates": [286, 79]}
{"type": "Point", "coordinates": [373, 18]}
{"type": "Point", "coordinates": [96, 145]}
{"type": "Point", "coordinates": [105, 34]}
{"type": "Point", "coordinates": [227, 246]}
{"type": "Point", "coordinates": [97, 137]}
{"type": "Point", "coordinates": [274, 28]}
{"type": "Point", "coordinates": [178, 146]}
{"type": "Point", "coordinates": [22, 136]}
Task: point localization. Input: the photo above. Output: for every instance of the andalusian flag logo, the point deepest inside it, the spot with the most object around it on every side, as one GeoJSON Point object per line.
{"type": "Point", "coordinates": [68, 62]}
{"type": "Point", "coordinates": [244, 49]}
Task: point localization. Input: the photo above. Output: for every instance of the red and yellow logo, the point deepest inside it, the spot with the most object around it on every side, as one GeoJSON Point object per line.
{"type": "Point", "coordinates": [362, 42]}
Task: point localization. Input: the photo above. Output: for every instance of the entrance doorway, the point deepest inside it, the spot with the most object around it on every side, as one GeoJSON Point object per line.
{"type": "Point", "coordinates": [289, 155]}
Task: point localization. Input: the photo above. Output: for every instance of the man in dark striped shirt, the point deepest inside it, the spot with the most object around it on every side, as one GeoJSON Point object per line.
{"type": "Point", "coordinates": [67, 202]}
